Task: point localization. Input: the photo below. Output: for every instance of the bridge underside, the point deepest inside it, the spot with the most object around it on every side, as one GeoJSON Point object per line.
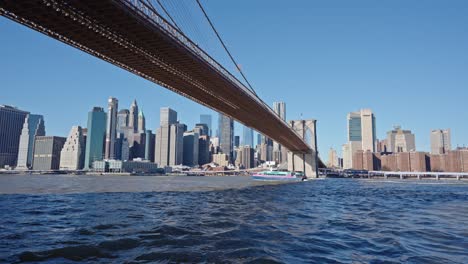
{"type": "Point", "coordinates": [115, 31]}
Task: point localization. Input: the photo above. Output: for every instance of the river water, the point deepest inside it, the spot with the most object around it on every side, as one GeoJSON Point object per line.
{"type": "Point", "coordinates": [62, 219]}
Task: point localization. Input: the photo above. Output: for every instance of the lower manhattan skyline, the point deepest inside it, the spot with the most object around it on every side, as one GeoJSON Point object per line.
{"type": "Point", "coordinates": [122, 135]}
{"type": "Point", "coordinates": [417, 88]}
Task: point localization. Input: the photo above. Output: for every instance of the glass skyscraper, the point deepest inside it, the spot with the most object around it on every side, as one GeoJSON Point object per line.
{"type": "Point", "coordinates": [206, 119]}
{"type": "Point", "coordinates": [226, 135]}
{"type": "Point", "coordinates": [96, 135]}
{"type": "Point", "coordinates": [11, 124]}
{"type": "Point", "coordinates": [247, 137]}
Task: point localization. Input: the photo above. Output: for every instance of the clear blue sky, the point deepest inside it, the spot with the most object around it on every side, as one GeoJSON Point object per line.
{"type": "Point", "coordinates": [406, 60]}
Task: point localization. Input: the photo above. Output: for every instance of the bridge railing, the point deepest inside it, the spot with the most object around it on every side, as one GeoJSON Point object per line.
{"type": "Point", "coordinates": [157, 20]}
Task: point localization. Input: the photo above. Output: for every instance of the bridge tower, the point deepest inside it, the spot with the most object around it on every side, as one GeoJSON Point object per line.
{"type": "Point", "coordinates": [305, 162]}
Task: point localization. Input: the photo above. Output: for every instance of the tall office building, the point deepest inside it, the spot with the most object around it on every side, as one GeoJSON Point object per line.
{"type": "Point", "coordinates": [176, 144]}
{"type": "Point", "coordinates": [122, 120]}
{"type": "Point", "coordinates": [33, 126]}
{"type": "Point", "coordinates": [280, 109]}
{"type": "Point", "coordinates": [96, 135]}
{"type": "Point", "coordinates": [141, 122]}
{"type": "Point", "coordinates": [191, 148]}
{"type": "Point", "coordinates": [259, 138]}
{"type": "Point", "coordinates": [204, 156]}
{"type": "Point", "coordinates": [226, 135]}
{"type": "Point", "coordinates": [361, 135]}
{"type": "Point", "coordinates": [72, 154]}
{"type": "Point", "coordinates": [368, 130]}
{"type": "Point", "coordinates": [168, 117]}
{"type": "Point", "coordinates": [247, 137]}
{"type": "Point", "coordinates": [440, 141]}
{"type": "Point", "coordinates": [206, 119]}
{"type": "Point", "coordinates": [111, 127]}
{"type": "Point", "coordinates": [47, 152]}
{"type": "Point", "coordinates": [332, 158]}
{"type": "Point", "coordinates": [149, 145]}
{"type": "Point", "coordinates": [133, 116]}
{"type": "Point", "coordinates": [245, 157]}
{"type": "Point", "coordinates": [236, 141]}
{"type": "Point", "coordinates": [279, 154]}
{"type": "Point", "coordinates": [11, 124]}
{"type": "Point", "coordinates": [399, 140]}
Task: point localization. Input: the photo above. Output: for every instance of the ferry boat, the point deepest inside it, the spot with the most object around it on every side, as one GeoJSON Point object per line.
{"type": "Point", "coordinates": [278, 176]}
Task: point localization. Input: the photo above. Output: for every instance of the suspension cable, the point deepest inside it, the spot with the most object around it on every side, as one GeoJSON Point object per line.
{"type": "Point", "coordinates": [225, 48]}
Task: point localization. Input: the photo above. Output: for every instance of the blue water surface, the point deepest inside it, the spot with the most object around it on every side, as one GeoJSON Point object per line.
{"type": "Point", "coordinates": [320, 221]}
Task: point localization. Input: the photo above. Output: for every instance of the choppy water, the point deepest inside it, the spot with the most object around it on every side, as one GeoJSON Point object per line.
{"type": "Point", "coordinates": [322, 221]}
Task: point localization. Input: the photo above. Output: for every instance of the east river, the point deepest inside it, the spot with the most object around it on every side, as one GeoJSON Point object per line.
{"type": "Point", "coordinates": [127, 219]}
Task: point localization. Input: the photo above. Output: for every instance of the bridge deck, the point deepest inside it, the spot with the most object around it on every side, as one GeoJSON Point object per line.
{"type": "Point", "coordinates": [123, 33]}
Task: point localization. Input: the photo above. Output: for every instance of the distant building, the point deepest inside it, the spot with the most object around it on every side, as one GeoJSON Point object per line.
{"type": "Point", "coordinates": [245, 157]}
{"type": "Point", "coordinates": [191, 148]}
{"type": "Point", "coordinates": [236, 141]}
{"type": "Point", "coordinates": [204, 150]}
{"type": "Point", "coordinates": [33, 126]}
{"type": "Point", "coordinates": [279, 154]}
{"type": "Point", "coordinates": [96, 135]}
{"type": "Point", "coordinates": [118, 166]}
{"type": "Point", "coordinates": [226, 135]}
{"type": "Point", "coordinates": [247, 137]}
{"type": "Point", "coordinates": [122, 120]}
{"type": "Point", "coordinates": [141, 122]}
{"type": "Point", "coordinates": [204, 156]}
{"type": "Point", "coordinates": [206, 119]}
{"type": "Point", "coordinates": [221, 159]}
{"type": "Point", "coordinates": [72, 154]}
{"type": "Point", "coordinates": [47, 152]}
{"type": "Point", "coordinates": [11, 125]}
{"type": "Point", "coordinates": [176, 146]}
{"type": "Point", "coordinates": [440, 141]}
{"type": "Point", "coordinates": [361, 135]}
{"type": "Point", "coordinates": [168, 117]}
{"type": "Point", "coordinates": [333, 159]}
{"type": "Point", "coordinates": [133, 117]}
{"type": "Point", "coordinates": [399, 140]}
{"type": "Point", "coordinates": [149, 145]}
{"type": "Point", "coordinates": [111, 128]}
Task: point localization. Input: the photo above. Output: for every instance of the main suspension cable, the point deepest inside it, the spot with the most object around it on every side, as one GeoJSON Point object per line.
{"type": "Point", "coordinates": [225, 48]}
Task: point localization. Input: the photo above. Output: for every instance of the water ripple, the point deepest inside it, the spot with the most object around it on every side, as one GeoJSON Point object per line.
{"type": "Point", "coordinates": [327, 221]}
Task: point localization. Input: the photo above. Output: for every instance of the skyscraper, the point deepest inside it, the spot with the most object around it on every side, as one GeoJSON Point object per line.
{"type": "Point", "coordinates": [247, 138]}
{"type": "Point", "coordinates": [280, 109]}
{"type": "Point", "coordinates": [279, 154]}
{"type": "Point", "coordinates": [122, 120]}
{"type": "Point", "coordinates": [11, 124]}
{"type": "Point", "coordinates": [191, 148]}
{"type": "Point", "coordinates": [96, 135]}
{"type": "Point", "coordinates": [72, 154]}
{"type": "Point", "coordinates": [149, 146]}
{"type": "Point", "coordinates": [361, 135]}
{"type": "Point", "coordinates": [236, 141]}
{"type": "Point", "coordinates": [399, 140]}
{"type": "Point", "coordinates": [111, 127]}
{"type": "Point", "coordinates": [168, 117]}
{"type": "Point", "coordinates": [440, 141]}
{"type": "Point", "coordinates": [203, 143]}
{"type": "Point", "coordinates": [133, 116]}
{"type": "Point", "coordinates": [206, 119]}
{"type": "Point", "coordinates": [368, 130]}
{"type": "Point", "coordinates": [141, 122]}
{"type": "Point", "coordinates": [176, 144]}
{"type": "Point", "coordinates": [226, 135]}
{"type": "Point", "coordinates": [33, 126]}
{"type": "Point", "coordinates": [47, 152]}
